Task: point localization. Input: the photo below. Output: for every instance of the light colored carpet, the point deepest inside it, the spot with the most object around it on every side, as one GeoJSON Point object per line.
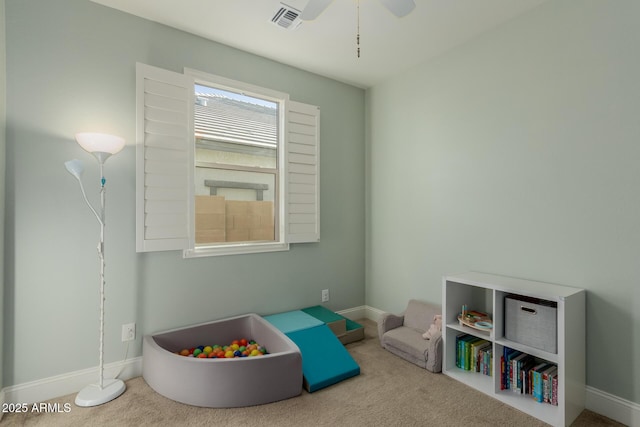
{"type": "Point", "coordinates": [388, 392]}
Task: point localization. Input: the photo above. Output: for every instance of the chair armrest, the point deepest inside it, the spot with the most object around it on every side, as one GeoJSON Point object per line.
{"type": "Point", "coordinates": [434, 362]}
{"type": "Point", "coordinates": [389, 321]}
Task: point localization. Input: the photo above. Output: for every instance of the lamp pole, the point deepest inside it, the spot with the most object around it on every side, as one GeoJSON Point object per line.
{"type": "Point", "coordinates": [102, 146]}
{"type": "Point", "coordinates": [102, 283]}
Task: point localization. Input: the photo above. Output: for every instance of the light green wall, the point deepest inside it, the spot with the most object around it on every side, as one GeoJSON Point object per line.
{"type": "Point", "coordinates": [517, 154]}
{"type": "Point", "coordinates": [71, 67]}
{"type": "Point", "coordinates": [2, 168]}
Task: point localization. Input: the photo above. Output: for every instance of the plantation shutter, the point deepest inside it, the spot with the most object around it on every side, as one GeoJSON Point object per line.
{"type": "Point", "coordinates": [164, 159]}
{"type": "Point", "coordinates": [302, 202]}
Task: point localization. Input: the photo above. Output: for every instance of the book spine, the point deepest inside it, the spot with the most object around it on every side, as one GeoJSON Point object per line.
{"type": "Point", "coordinates": [476, 359]}
{"type": "Point", "coordinates": [547, 383]}
{"type": "Point", "coordinates": [466, 356]}
{"type": "Point", "coordinates": [545, 388]}
{"type": "Point", "coordinates": [536, 384]}
{"type": "Point", "coordinates": [507, 372]}
{"type": "Point", "coordinates": [485, 361]}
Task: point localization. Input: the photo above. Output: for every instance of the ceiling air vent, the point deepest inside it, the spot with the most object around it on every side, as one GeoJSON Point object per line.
{"type": "Point", "coordinates": [287, 17]}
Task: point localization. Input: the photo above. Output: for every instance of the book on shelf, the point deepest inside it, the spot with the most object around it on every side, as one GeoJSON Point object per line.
{"type": "Point", "coordinates": [523, 373]}
{"type": "Point", "coordinates": [517, 383]}
{"type": "Point", "coordinates": [485, 357]}
{"type": "Point", "coordinates": [508, 355]}
{"type": "Point", "coordinates": [462, 353]}
{"type": "Point", "coordinates": [538, 392]}
{"type": "Point", "coordinates": [476, 347]}
{"type": "Point", "coordinates": [536, 381]}
{"type": "Point", "coordinates": [547, 379]}
{"type": "Point", "coordinates": [472, 353]}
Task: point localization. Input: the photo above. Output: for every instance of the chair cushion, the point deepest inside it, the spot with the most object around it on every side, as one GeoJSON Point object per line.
{"type": "Point", "coordinates": [408, 340]}
{"type": "Point", "coordinates": [419, 315]}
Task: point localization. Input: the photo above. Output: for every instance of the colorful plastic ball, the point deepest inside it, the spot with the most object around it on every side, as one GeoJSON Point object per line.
{"type": "Point", "coordinates": [238, 348]}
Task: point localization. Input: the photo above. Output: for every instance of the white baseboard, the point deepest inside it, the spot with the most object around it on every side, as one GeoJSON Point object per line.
{"type": "Point", "coordinates": [62, 385]}
{"type": "Point", "coordinates": [362, 312]}
{"type": "Point", "coordinates": [620, 410]}
{"type": "Point", "coordinates": [616, 408]}
{"type": "Point", "coordinates": [373, 314]}
{"type": "Point", "coordinates": [2, 402]}
{"type": "Point", "coordinates": [354, 313]}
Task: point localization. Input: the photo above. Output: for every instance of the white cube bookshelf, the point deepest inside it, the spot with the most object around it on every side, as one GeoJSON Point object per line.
{"type": "Point", "coordinates": [486, 293]}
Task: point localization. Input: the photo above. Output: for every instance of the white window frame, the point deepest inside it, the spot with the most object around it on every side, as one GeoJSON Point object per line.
{"type": "Point", "coordinates": [298, 218]}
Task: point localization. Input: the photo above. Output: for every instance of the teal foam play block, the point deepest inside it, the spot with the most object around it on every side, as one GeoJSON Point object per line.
{"type": "Point", "coordinates": [351, 325]}
{"type": "Point", "coordinates": [292, 321]}
{"type": "Point", "coordinates": [325, 361]}
{"type": "Point", "coordinates": [324, 314]}
{"type": "Point", "coordinates": [345, 329]}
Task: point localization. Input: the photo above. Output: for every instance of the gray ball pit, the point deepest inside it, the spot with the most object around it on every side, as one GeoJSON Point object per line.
{"type": "Point", "coordinates": [223, 383]}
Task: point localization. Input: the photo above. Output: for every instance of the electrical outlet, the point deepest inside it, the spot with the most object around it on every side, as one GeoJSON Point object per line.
{"type": "Point", "coordinates": [128, 332]}
{"type": "Point", "coordinates": [325, 295]}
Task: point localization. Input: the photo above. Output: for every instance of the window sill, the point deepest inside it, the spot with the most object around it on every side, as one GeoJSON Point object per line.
{"type": "Point", "coordinates": [247, 248]}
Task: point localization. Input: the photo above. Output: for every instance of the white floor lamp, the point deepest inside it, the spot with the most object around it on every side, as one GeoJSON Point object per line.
{"type": "Point", "coordinates": [102, 146]}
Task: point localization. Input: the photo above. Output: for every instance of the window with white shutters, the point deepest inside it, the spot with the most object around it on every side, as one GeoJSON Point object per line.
{"type": "Point", "coordinates": [223, 167]}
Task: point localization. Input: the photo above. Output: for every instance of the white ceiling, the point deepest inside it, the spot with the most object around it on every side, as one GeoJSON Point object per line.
{"type": "Point", "coordinates": [327, 45]}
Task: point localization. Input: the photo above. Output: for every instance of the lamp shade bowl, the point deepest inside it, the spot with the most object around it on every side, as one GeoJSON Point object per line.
{"type": "Point", "coordinates": [75, 168]}
{"type": "Point", "coordinates": [100, 142]}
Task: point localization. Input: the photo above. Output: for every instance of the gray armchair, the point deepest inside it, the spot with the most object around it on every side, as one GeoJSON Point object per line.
{"type": "Point", "coordinates": [402, 335]}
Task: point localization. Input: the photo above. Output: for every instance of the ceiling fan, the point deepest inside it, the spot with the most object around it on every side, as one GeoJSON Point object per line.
{"type": "Point", "coordinates": [290, 18]}
{"type": "Point", "coordinates": [399, 8]}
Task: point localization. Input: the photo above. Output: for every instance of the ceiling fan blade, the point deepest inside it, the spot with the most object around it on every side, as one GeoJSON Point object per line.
{"type": "Point", "coordinates": [399, 8]}
{"type": "Point", "coordinates": [314, 9]}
